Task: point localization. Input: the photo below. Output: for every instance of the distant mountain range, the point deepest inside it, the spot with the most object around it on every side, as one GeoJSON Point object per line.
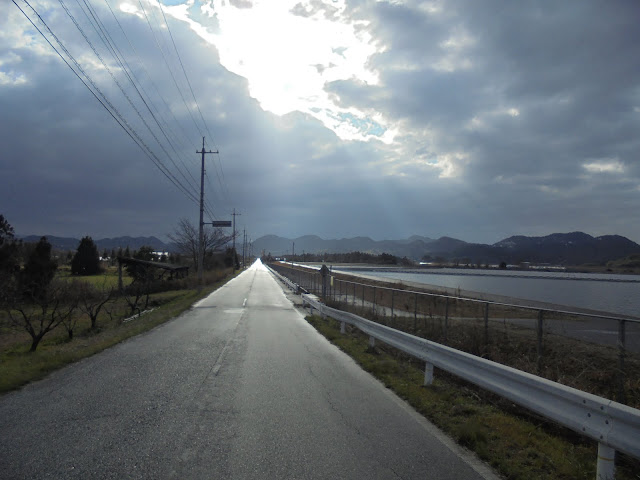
{"type": "Point", "coordinates": [134, 243]}
{"type": "Point", "coordinates": [574, 248]}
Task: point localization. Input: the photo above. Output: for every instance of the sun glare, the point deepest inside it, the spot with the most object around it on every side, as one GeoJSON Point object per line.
{"type": "Point", "coordinates": [288, 52]}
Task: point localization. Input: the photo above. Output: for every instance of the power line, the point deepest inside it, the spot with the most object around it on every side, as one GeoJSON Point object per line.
{"type": "Point", "coordinates": [124, 93]}
{"type": "Point", "coordinates": [101, 97]}
{"type": "Point", "coordinates": [155, 87]}
{"type": "Point", "coordinates": [170, 71]}
{"type": "Point", "coordinates": [98, 94]}
{"type": "Point", "coordinates": [192, 94]}
{"type": "Point", "coordinates": [108, 41]}
{"type": "Point", "coordinates": [120, 59]}
{"type": "Point", "coordinates": [183, 70]}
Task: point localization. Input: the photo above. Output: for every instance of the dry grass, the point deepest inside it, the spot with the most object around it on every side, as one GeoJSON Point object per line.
{"type": "Point", "coordinates": [518, 444]}
{"type": "Point", "coordinates": [19, 366]}
{"type": "Point", "coordinates": [586, 366]}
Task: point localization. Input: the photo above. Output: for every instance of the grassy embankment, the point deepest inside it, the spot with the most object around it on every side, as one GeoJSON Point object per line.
{"type": "Point", "coordinates": [18, 366]}
{"type": "Point", "coordinates": [519, 445]}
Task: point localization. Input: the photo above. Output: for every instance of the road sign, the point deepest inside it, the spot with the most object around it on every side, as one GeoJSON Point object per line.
{"type": "Point", "coordinates": [221, 223]}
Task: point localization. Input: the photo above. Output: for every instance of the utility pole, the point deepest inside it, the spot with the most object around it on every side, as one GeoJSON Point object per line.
{"type": "Point", "coordinates": [244, 244]}
{"type": "Point", "coordinates": [201, 237]}
{"type": "Point", "coordinates": [234, 214]}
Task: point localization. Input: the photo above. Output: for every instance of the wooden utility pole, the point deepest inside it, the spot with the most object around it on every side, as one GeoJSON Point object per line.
{"type": "Point", "coordinates": [201, 232]}
{"type": "Point", "coordinates": [234, 214]}
{"type": "Point", "coordinates": [244, 244]}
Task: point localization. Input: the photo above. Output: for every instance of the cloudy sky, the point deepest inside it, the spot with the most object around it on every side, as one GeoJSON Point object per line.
{"type": "Point", "coordinates": [477, 120]}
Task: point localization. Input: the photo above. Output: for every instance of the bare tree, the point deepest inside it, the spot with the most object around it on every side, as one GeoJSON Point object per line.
{"type": "Point", "coordinates": [135, 292]}
{"type": "Point", "coordinates": [185, 236]}
{"type": "Point", "coordinates": [93, 299]}
{"type": "Point", "coordinates": [40, 314]}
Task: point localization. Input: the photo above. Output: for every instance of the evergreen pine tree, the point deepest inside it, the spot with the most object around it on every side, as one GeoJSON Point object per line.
{"type": "Point", "coordinates": [39, 270]}
{"type": "Point", "coordinates": [86, 261]}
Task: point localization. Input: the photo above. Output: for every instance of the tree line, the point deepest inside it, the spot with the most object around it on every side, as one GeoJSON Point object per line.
{"type": "Point", "coordinates": [35, 299]}
{"type": "Point", "coordinates": [350, 257]}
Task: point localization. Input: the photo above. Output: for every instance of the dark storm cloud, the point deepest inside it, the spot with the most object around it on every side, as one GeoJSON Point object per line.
{"type": "Point", "coordinates": [535, 91]}
{"type": "Point", "coordinates": [511, 118]}
{"type": "Point", "coordinates": [67, 168]}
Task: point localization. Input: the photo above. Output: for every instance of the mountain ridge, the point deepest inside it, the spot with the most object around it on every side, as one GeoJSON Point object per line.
{"type": "Point", "coordinates": [573, 248]}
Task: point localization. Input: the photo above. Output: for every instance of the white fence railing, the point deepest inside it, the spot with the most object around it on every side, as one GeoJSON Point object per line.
{"type": "Point", "coordinates": [614, 426]}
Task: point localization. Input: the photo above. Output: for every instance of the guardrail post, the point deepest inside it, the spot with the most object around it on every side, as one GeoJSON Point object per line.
{"type": "Point", "coordinates": [372, 342]}
{"type": "Point", "coordinates": [342, 327]}
{"type": "Point", "coordinates": [363, 297]}
{"type": "Point", "coordinates": [606, 469]}
{"type": "Point", "coordinates": [621, 355]}
{"type": "Point", "coordinates": [540, 331]}
{"type": "Point", "coordinates": [428, 373]}
{"type": "Point", "coordinates": [354, 294]}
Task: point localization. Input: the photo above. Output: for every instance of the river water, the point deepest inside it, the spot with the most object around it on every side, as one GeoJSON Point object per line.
{"type": "Point", "coordinates": [604, 292]}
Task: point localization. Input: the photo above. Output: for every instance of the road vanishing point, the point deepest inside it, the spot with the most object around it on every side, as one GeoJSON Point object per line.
{"type": "Point", "coordinates": [241, 387]}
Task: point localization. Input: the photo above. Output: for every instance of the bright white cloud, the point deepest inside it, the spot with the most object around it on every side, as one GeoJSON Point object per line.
{"type": "Point", "coordinates": [131, 9]}
{"type": "Point", "coordinates": [288, 59]}
{"type": "Point", "coordinates": [455, 52]}
{"type": "Point", "coordinates": [12, 78]}
{"type": "Point", "coordinates": [604, 166]}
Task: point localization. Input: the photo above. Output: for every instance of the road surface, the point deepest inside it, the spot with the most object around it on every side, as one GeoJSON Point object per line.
{"type": "Point", "coordinates": [238, 387]}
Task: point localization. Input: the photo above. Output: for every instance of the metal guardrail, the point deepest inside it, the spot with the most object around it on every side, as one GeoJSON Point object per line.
{"type": "Point", "coordinates": [294, 287]}
{"type": "Point", "coordinates": [614, 426]}
{"type": "Point", "coordinates": [315, 283]}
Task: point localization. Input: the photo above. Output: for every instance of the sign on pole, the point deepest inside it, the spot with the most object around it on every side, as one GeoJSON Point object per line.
{"type": "Point", "coordinates": [221, 223]}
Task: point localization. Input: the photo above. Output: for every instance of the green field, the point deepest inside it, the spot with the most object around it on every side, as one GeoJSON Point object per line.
{"type": "Point", "coordinates": [107, 279]}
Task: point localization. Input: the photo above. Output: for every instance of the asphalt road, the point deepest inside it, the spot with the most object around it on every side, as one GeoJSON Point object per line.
{"type": "Point", "coordinates": [238, 387]}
